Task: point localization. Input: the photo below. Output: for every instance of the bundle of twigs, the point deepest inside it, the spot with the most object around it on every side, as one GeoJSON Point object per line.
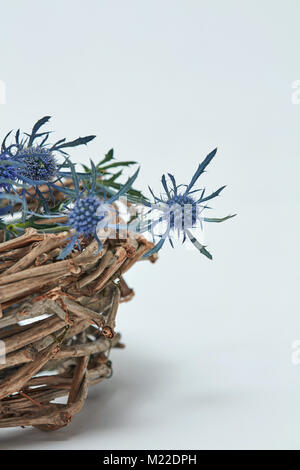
{"type": "Point", "coordinates": [57, 323]}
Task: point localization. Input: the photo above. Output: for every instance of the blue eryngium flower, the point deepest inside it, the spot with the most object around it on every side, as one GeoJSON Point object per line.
{"type": "Point", "coordinates": [180, 210]}
{"type": "Point", "coordinates": [85, 216]}
{"type": "Point", "coordinates": [39, 164]}
{"type": "Point", "coordinates": [89, 213]}
{"type": "Point", "coordinates": [8, 172]}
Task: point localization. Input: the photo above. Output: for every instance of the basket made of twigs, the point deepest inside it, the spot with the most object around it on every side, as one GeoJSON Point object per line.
{"type": "Point", "coordinates": [57, 323]}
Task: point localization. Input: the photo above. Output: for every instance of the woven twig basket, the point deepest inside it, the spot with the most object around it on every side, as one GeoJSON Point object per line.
{"type": "Point", "coordinates": [70, 308]}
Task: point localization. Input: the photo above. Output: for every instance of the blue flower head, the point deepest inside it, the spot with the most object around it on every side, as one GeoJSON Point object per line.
{"type": "Point", "coordinates": [180, 209]}
{"type": "Point", "coordinates": [90, 214]}
{"type": "Point", "coordinates": [35, 160]}
{"type": "Point", "coordinates": [86, 215]}
{"type": "Point", "coordinates": [39, 164]}
{"type": "Point", "coordinates": [183, 211]}
{"type": "Point", "coordinates": [8, 172]}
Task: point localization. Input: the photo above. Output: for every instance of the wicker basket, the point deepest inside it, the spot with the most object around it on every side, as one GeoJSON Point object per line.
{"type": "Point", "coordinates": [58, 323]}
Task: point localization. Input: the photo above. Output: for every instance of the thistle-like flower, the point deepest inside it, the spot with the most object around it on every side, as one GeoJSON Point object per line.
{"type": "Point", "coordinates": [8, 172]}
{"type": "Point", "coordinates": [86, 214]}
{"type": "Point", "coordinates": [35, 164]}
{"type": "Point", "coordinates": [90, 214]}
{"type": "Point", "coordinates": [39, 164]}
{"type": "Point", "coordinates": [180, 210]}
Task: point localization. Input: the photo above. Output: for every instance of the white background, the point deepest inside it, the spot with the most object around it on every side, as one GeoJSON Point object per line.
{"type": "Point", "coordinates": [209, 344]}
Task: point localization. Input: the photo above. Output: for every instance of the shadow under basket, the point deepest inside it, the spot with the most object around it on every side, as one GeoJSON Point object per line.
{"type": "Point", "coordinates": [57, 323]}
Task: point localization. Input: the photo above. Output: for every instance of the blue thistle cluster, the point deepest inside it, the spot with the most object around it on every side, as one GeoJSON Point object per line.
{"type": "Point", "coordinates": [7, 172]}
{"type": "Point", "coordinates": [30, 161]}
{"type": "Point", "coordinates": [39, 163]}
{"type": "Point", "coordinates": [84, 216]}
